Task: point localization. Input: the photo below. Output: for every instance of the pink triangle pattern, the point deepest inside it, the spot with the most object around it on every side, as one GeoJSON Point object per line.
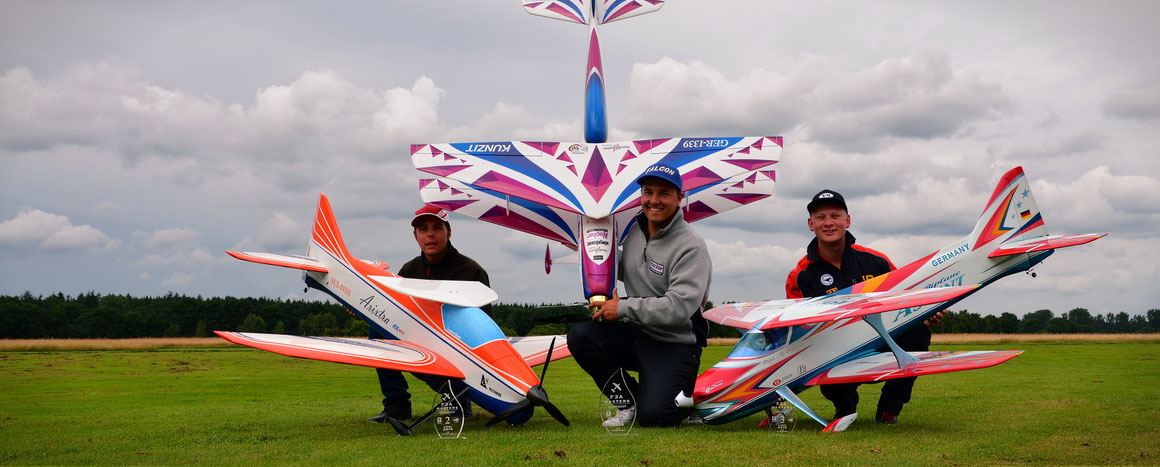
{"type": "Point", "coordinates": [596, 178]}
{"type": "Point", "coordinates": [507, 185]}
{"type": "Point", "coordinates": [646, 145]}
{"type": "Point", "coordinates": [511, 219]}
{"type": "Point", "coordinates": [444, 170]}
{"type": "Point", "coordinates": [697, 211]}
{"type": "Point", "coordinates": [743, 198]}
{"type": "Point", "coordinates": [698, 177]}
{"type": "Point", "coordinates": [452, 205]}
{"type": "Point", "coordinates": [749, 164]}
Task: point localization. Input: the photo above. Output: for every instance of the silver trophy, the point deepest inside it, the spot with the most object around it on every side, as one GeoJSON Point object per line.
{"type": "Point", "coordinates": [616, 397]}
{"type": "Point", "coordinates": [449, 417]}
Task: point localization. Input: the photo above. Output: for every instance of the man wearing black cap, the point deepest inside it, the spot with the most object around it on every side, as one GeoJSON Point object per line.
{"type": "Point", "coordinates": [833, 262]}
{"type": "Point", "coordinates": [437, 260]}
{"type": "Point", "coordinates": [657, 328]}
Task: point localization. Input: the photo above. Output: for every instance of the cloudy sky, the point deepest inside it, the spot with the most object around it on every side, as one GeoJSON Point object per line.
{"type": "Point", "coordinates": [138, 140]}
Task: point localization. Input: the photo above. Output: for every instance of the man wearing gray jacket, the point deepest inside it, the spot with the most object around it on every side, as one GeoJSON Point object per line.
{"type": "Point", "coordinates": [657, 329]}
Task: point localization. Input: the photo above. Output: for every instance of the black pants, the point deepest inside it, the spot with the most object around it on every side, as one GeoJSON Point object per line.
{"type": "Point", "coordinates": [603, 349]}
{"type": "Point", "coordinates": [394, 385]}
{"type": "Point", "coordinates": [895, 392]}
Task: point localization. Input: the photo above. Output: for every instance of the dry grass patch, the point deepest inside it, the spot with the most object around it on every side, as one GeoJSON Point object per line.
{"type": "Point", "coordinates": [142, 343]}
{"type": "Point", "coordinates": [1001, 338]}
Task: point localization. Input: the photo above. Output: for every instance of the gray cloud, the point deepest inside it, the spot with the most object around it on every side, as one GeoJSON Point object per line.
{"type": "Point", "coordinates": [38, 230]}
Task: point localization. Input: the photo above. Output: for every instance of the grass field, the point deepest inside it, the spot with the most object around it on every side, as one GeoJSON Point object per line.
{"type": "Point", "coordinates": [1062, 402]}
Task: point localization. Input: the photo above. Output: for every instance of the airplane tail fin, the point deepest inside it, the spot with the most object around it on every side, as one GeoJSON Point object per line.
{"type": "Point", "coordinates": [604, 11]}
{"type": "Point", "coordinates": [1013, 216]}
{"type": "Point", "coordinates": [325, 236]}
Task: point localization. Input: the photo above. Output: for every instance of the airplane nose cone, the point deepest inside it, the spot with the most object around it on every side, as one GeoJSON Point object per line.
{"type": "Point", "coordinates": [715, 380]}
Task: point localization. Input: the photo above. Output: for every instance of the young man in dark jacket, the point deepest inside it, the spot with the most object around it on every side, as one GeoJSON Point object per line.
{"type": "Point", "coordinates": [437, 260]}
{"type": "Point", "coordinates": [833, 262]}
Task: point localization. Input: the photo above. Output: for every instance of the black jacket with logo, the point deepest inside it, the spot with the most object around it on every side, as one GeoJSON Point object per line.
{"type": "Point", "coordinates": [814, 276]}
{"type": "Point", "coordinates": [454, 266]}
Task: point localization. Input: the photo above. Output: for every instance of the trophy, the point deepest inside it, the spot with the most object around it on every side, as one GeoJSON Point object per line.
{"type": "Point", "coordinates": [781, 420]}
{"type": "Point", "coordinates": [615, 397]}
{"type": "Point", "coordinates": [449, 417]}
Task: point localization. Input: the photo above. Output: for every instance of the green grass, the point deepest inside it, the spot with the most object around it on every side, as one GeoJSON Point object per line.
{"type": "Point", "coordinates": [1073, 403]}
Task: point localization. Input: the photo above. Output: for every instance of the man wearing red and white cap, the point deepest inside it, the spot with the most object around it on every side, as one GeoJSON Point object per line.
{"type": "Point", "coordinates": [437, 260]}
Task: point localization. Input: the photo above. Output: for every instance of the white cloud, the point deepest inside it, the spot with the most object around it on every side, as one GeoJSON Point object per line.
{"type": "Point", "coordinates": [193, 258]}
{"type": "Point", "coordinates": [1099, 201]}
{"type": "Point", "coordinates": [282, 233]}
{"type": "Point", "coordinates": [919, 96]}
{"type": "Point", "coordinates": [165, 239]}
{"type": "Point", "coordinates": [737, 259]}
{"type": "Point", "coordinates": [36, 229]}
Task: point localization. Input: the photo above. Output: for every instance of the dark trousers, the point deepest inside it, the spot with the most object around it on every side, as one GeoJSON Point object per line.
{"type": "Point", "coordinates": [895, 392]}
{"type": "Point", "coordinates": [604, 349]}
{"type": "Point", "coordinates": [394, 385]}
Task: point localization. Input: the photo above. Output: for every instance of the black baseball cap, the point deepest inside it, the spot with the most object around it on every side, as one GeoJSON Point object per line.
{"type": "Point", "coordinates": [826, 197]}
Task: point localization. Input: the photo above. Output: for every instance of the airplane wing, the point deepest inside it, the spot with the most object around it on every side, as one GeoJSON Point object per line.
{"type": "Point", "coordinates": [535, 348]}
{"type": "Point", "coordinates": [566, 10]}
{"type": "Point", "coordinates": [458, 293]}
{"type": "Point", "coordinates": [592, 179]}
{"type": "Point", "coordinates": [883, 365]}
{"type": "Point", "coordinates": [744, 315]}
{"type": "Point", "coordinates": [785, 313]}
{"type": "Point", "coordinates": [395, 355]}
{"type": "Point", "coordinates": [576, 11]}
{"type": "Point", "coordinates": [1046, 242]}
{"type": "Point", "coordinates": [286, 261]}
{"type": "Point", "coordinates": [727, 194]}
{"type": "Point", "coordinates": [498, 208]}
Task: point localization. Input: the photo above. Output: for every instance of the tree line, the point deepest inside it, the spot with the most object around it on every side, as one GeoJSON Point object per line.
{"type": "Point", "coordinates": [92, 315]}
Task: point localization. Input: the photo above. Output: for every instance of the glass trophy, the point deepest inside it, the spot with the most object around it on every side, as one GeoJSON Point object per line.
{"type": "Point", "coordinates": [781, 420]}
{"type": "Point", "coordinates": [615, 397]}
{"type": "Point", "coordinates": [449, 418]}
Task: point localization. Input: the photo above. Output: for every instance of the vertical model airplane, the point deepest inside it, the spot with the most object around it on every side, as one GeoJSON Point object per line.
{"type": "Point", "coordinates": [438, 327]}
{"type": "Point", "coordinates": [584, 194]}
{"type": "Point", "coordinates": [788, 345]}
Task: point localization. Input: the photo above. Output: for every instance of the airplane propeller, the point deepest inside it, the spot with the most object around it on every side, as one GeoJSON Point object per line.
{"type": "Point", "coordinates": [537, 396]}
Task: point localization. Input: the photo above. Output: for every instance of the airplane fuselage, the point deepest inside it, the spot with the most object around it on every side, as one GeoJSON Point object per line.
{"type": "Point", "coordinates": [746, 381]}
{"type": "Point", "coordinates": [496, 380]}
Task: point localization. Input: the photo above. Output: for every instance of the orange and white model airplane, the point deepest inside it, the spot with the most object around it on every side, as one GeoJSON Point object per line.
{"type": "Point", "coordinates": [437, 326]}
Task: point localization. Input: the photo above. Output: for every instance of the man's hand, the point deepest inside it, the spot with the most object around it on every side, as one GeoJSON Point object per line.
{"type": "Point", "coordinates": [934, 320]}
{"type": "Point", "coordinates": [606, 310]}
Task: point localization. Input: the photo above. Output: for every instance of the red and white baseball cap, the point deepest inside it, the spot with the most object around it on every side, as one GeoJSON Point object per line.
{"type": "Point", "coordinates": [429, 210]}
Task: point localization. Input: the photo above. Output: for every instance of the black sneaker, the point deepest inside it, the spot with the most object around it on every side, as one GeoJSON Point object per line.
{"type": "Point", "coordinates": [399, 410]}
{"type": "Point", "coordinates": [886, 418]}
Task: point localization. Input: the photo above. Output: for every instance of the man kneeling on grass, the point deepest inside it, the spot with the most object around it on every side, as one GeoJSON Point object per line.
{"type": "Point", "coordinates": [657, 328]}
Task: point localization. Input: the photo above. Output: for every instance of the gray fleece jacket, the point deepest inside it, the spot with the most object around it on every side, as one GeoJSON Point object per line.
{"type": "Point", "coordinates": [666, 280]}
